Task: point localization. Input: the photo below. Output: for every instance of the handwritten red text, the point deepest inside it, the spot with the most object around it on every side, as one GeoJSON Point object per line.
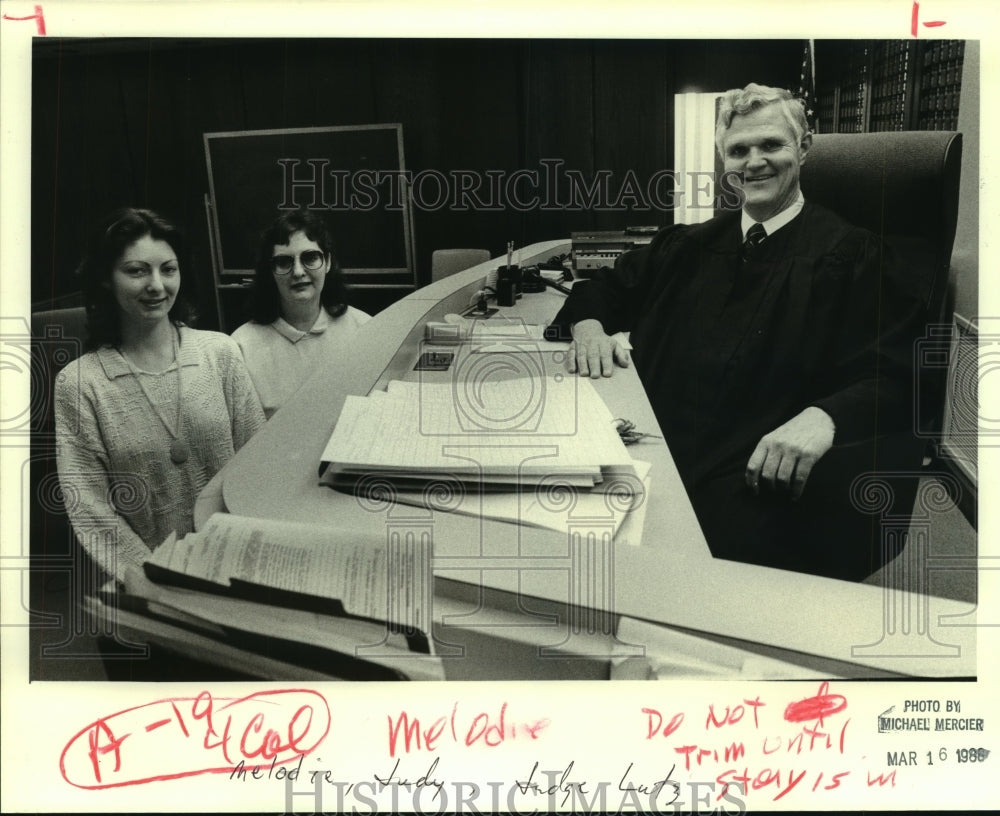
{"type": "Point", "coordinates": [185, 736]}
{"type": "Point", "coordinates": [38, 17]}
{"type": "Point", "coordinates": [485, 728]}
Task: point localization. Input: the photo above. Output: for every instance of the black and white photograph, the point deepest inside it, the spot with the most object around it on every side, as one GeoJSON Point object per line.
{"type": "Point", "coordinates": [537, 367]}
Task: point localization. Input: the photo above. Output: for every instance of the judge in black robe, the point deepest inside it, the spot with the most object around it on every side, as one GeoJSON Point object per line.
{"type": "Point", "coordinates": [733, 343]}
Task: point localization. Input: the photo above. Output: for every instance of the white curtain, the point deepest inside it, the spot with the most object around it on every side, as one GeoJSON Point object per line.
{"type": "Point", "coordinates": [694, 156]}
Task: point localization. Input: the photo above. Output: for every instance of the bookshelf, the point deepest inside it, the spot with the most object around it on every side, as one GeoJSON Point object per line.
{"type": "Point", "coordinates": [891, 93]}
{"type": "Point", "coordinates": [941, 85]}
{"type": "Point", "coordinates": [866, 86]}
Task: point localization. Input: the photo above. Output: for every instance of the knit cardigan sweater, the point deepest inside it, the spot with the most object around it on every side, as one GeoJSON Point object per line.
{"type": "Point", "coordinates": [121, 491]}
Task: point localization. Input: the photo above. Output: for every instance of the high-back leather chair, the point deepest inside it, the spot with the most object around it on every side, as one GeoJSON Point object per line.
{"type": "Point", "coordinates": [902, 186]}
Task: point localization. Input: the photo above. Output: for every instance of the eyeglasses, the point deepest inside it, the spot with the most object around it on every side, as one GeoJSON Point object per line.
{"type": "Point", "coordinates": [311, 260]}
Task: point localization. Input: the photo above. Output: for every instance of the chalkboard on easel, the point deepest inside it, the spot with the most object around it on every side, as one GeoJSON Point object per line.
{"type": "Point", "coordinates": [353, 176]}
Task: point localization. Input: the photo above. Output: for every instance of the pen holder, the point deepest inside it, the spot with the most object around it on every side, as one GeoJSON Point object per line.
{"type": "Point", "coordinates": [513, 274]}
{"type": "Point", "coordinates": [506, 296]}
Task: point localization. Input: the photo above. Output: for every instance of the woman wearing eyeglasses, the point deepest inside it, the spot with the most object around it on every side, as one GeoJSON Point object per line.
{"type": "Point", "coordinates": [299, 308]}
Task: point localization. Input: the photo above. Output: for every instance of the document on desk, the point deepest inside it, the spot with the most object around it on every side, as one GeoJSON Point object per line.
{"type": "Point", "coordinates": [607, 506]}
{"type": "Point", "coordinates": [305, 559]}
{"type": "Point", "coordinates": [510, 341]}
{"type": "Point", "coordinates": [494, 337]}
{"type": "Point", "coordinates": [503, 448]}
{"type": "Point", "coordinates": [526, 428]}
{"type": "Point", "coordinates": [329, 643]}
{"type": "Point", "coordinates": [480, 335]}
{"type": "Point", "coordinates": [507, 338]}
{"type": "Point", "coordinates": [350, 608]}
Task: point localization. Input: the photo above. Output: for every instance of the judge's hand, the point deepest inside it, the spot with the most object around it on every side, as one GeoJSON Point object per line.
{"type": "Point", "coordinates": [594, 353]}
{"type": "Point", "coordinates": [784, 458]}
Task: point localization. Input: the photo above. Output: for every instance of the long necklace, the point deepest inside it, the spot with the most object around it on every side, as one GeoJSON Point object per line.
{"type": "Point", "coordinates": [179, 451]}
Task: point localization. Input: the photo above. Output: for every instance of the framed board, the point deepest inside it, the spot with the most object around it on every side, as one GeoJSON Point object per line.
{"type": "Point", "coordinates": [355, 176]}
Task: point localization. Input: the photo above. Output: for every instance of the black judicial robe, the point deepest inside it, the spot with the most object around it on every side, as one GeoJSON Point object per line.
{"type": "Point", "coordinates": [729, 349]}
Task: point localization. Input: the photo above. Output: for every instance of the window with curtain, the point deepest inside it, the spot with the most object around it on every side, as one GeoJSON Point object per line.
{"type": "Point", "coordinates": [694, 156]}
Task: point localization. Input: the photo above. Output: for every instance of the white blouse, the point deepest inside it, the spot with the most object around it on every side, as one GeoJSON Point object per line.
{"type": "Point", "coordinates": [281, 358]}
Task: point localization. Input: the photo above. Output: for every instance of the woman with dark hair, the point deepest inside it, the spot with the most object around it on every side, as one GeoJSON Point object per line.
{"type": "Point", "coordinates": [154, 408]}
{"type": "Point", "coordinates": [299, 307]}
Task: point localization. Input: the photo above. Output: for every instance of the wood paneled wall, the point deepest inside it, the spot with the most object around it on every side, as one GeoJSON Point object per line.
{"type": "Point", "coordinates": [118, 122]}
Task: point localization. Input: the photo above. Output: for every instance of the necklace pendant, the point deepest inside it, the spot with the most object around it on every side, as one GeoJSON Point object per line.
{"type": "Point", "coordinates": [179, 452]}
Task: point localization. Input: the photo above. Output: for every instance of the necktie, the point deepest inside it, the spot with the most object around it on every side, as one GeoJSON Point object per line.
{"type": "Point", "coordinates": [755, 237]}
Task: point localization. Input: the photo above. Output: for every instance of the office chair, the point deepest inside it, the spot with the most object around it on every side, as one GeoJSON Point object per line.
{"type": "Point", "coordinates": [445, 262]}
{"type": "Point", "coordinates": [57, 337]}
{"type": "Point", "coordinates": [902, 186]}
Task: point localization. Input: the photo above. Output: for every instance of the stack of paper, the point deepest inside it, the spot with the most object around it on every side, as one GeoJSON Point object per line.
{"type": "Point", "coordinates": [512, 433]}
{"type": "Point", "coordinates": [297, 592]}
{"type": "Point", "coordinates": [500, 444]}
